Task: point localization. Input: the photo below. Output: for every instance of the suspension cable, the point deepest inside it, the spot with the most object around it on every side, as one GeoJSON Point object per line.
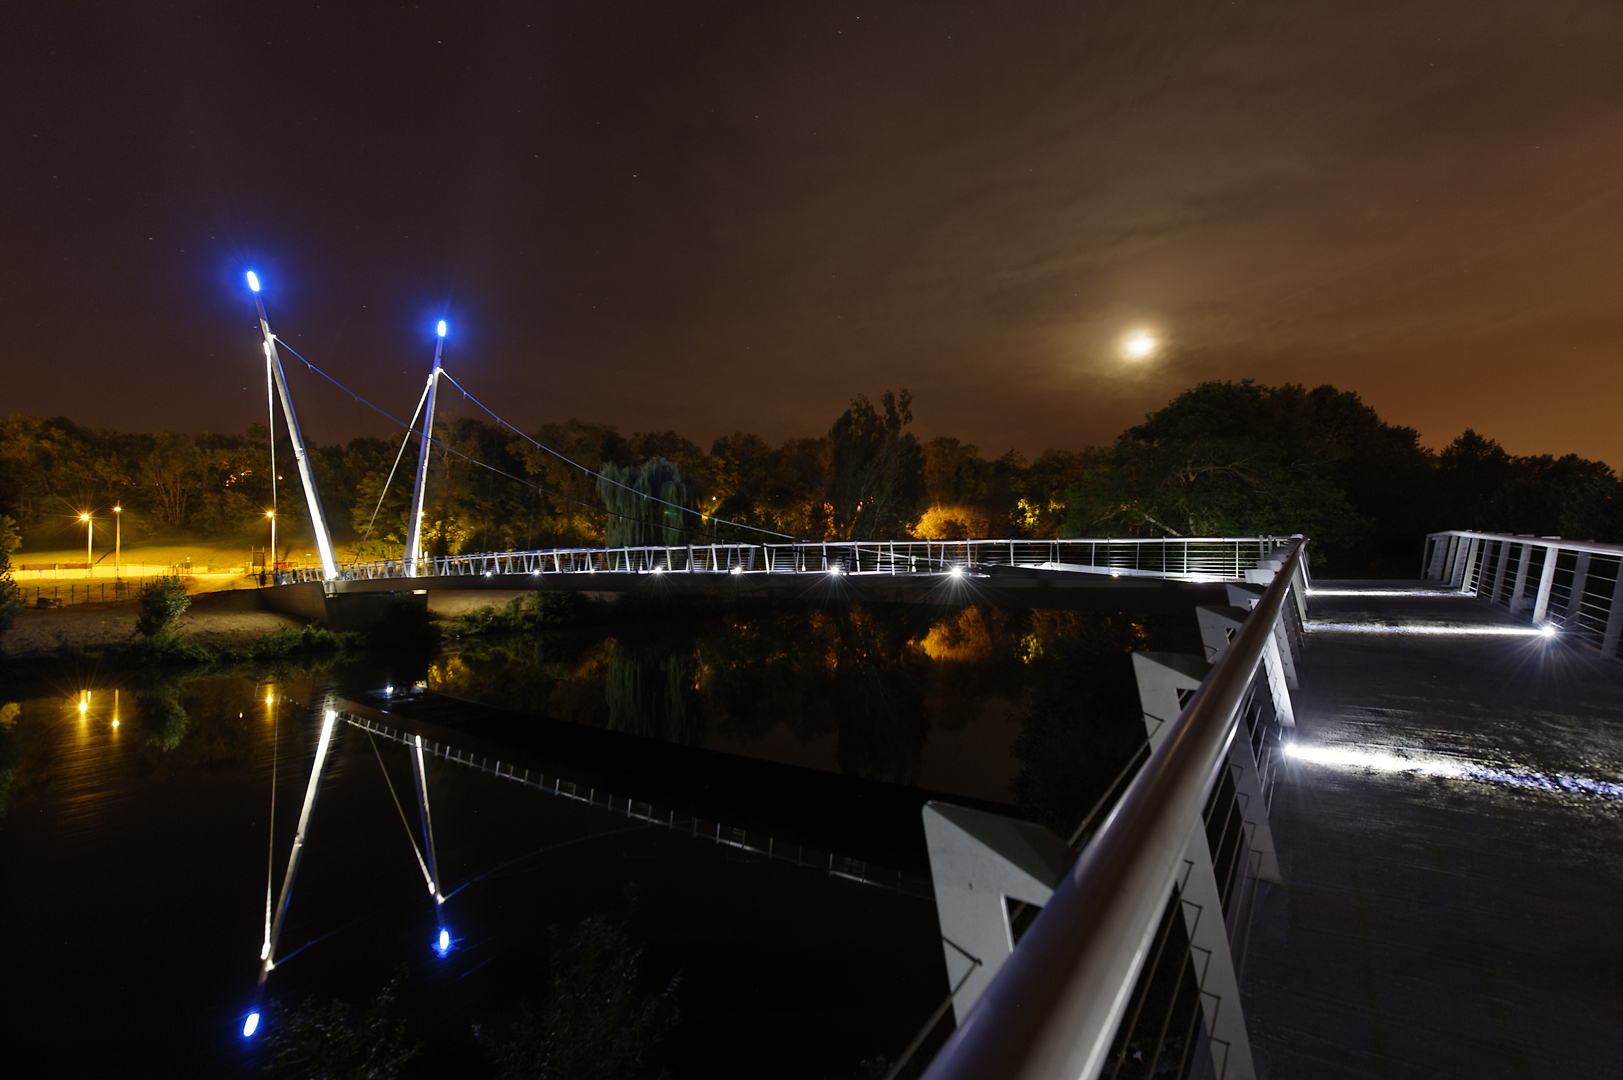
{"type": "Point", "coordinates": [415, 850]}
{"type": "Point", "coordinates": [446, 446]}
{"type": "Point", "coordinates": [385, 492]}
{"type": "Point", "coordinates": [594, 472]}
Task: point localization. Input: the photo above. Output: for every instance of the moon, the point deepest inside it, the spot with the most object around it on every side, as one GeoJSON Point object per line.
{"type": "Point", "coordinates": [1139, 345]}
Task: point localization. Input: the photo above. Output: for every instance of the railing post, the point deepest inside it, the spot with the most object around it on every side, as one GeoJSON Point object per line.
{"type": "Point", "coordinates": [1614, 617]}
{"type": "Point", "coordinates": [1546, 582]}
{"type": "Point", "coordinates": [1575, 598]}
{"type": "Point", "coordinates": [1519, 589]}
{"type": "Point", "coordinates": [1499, 571]}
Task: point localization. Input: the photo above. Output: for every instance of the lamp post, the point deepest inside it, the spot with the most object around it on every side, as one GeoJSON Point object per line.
{"type": "Point", "coordinates": [118, 543]}
{"type": "Point", "coordinates": [272, 515]}
{"type": "Point", "coordinates": [90, 531]}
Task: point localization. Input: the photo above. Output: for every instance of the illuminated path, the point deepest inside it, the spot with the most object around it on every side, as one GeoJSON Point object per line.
{"type": "Point", "coordinates": [1451, 831]}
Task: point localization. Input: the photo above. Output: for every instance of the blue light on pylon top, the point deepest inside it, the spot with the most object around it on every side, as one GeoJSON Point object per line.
{"type": "Point", "coordinates": [253, 283]}
{"type": "Point", "coordinates": [442, 328]}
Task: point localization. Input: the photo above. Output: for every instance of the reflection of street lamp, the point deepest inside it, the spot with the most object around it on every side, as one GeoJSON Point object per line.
{"type": "Point", "coordinates": [90, 531]}
{"type": "Point", "coordinates": [118, 544]}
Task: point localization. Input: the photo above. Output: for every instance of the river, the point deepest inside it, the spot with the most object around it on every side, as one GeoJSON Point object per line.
{"type": "Point", "coordinates": [147, 817]}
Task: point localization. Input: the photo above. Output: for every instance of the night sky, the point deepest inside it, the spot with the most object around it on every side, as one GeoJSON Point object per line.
{"type": "Point", "coordinates": [712, 217]}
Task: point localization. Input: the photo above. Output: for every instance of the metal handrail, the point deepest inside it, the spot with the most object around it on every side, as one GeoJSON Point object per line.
{"type": "Point", "coordinates": [1592, 546]}
{"type": "Point", "coordinates": [1198, 558]}
{"type": "Point", "coordinates": [1551, 580]}
{"type": "Point", "coordinates": [1053, 1009]}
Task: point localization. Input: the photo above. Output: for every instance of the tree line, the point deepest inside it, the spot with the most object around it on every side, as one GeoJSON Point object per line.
{"type": "Point", "coordinates": [1223, 458]}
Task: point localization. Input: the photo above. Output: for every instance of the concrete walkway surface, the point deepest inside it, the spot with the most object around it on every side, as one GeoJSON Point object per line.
{"type": "Point", "coordinates": [1451, 837]}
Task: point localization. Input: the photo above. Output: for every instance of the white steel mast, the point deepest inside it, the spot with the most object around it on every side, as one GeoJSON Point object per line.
{"type": "Point", "coordinates": [414, 527]}
{"type": "Point", "coordinates": [329, 564]}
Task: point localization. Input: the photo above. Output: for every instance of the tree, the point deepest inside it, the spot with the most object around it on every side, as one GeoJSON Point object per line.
{"type": "Point", "coordinates": [1240, 459]}
{"type": "Point", "coordinates": [11, 601]}
{"type": "Point", "coordinates": [649, 504]}
{"type": "Point", "coordinates": [754, 483]}
{"type": "Point", "coordinates": [568, 512]}
{"type": "Point", "coordinates": [1595, 511]}
{"type": "Point", "coordinates": [877, 468]}
{"type": "Point", "coordinates": [326, 1041]}
{"type": "Point", "coordinates": [172, 470]}
{"type": "Point", "coordinates": [1482, 486]}
{"type": "Point", "coordinates": [596, 1020]}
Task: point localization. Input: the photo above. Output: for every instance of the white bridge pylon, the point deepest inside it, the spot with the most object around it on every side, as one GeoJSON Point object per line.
{"type": "Point", "coordinates": [414, 534]}
{"type": "Point", "coordinates": [273, 364]}
{"type": "Point", "coordinates": [318, 519]}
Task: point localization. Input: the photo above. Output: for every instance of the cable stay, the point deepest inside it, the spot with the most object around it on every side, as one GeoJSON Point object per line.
{"type": "Point", "coordinates": [594, 472]}
{"type": "Point", "coordinates": [384, 494]}
{"type": "Point", "coordinates": [277, 386]}
{"type": "Point", "coordinates": [412, 429]}
{"type": "Point", "coordinates": [415, 850]}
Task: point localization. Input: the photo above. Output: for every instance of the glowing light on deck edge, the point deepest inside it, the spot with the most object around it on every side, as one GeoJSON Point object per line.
{"type": "Point", "coordinates": [1349, 757]}
{"type": "Point", "coordinates": [1433, 629]}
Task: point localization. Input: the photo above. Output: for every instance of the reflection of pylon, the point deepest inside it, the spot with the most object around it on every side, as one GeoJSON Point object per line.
{"type": "Point", "coordinates": [268, 952]}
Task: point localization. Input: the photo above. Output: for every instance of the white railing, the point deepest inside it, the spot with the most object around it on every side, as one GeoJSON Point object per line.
{"type": "Point", "coordinates": [1209, 559]}
{"type": "Point", "coordinates": [1053, 1007]}
{"type": "Point", "coordinates": [1573, 585]}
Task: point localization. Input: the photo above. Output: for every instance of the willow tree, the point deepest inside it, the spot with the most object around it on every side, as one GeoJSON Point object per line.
{"type": "Point", "coordinates": [649, 505]}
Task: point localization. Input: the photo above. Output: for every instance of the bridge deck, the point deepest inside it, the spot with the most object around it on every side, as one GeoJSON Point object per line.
{"type": "Point", "coordinates": [1461, 921]}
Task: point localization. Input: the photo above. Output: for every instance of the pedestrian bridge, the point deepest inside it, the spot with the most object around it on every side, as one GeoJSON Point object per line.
{"type": "Point", "coordinates": [1208, 559]}
{"type": "Point", "coordinates": [1372, 829]}
{"type": "Point", "coordinates": [1098, 574]}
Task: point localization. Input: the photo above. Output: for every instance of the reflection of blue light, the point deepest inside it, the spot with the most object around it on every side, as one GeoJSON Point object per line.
{"type": "Point", "coordinates": [253, 283]}
{"type": "Point", "coordinates": [443, 946]}
{"type": "Point", "coordinates": [442, 328]}
{"type": "Point", "coordinates": [250, 1025]}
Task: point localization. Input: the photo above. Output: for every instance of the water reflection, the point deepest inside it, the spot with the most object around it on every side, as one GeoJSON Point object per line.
{"type": "Point", "coordinates": [165, 785]}
{"type": "Point", "coordinates": [906, 694]}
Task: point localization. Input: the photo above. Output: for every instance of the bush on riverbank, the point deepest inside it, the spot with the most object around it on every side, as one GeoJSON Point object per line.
{"type": "Point", "coordinates": [159, 605]}
{"type": "Point", "coordinates": [282, 650]}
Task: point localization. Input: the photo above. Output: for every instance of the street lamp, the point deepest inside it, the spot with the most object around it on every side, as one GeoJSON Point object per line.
{"type": "Point", "coordinates": [118, 542]}
{"type": "Point", "coordinates": [272, 515]}
{"type": "Point", "coordinates": [90, 531]}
